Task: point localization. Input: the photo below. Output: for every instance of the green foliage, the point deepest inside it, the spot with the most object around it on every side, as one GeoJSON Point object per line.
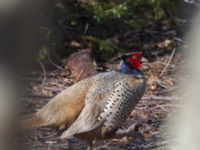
{"type": "Point", "coordinates": [43, 53]}
{"type": "Point", "coordinates": [105, 19]}
{"type": "Point", "coordinates": [127, 10]}
{"type": "Point", "coordinates": [102, 11]}
{"type": "Point", "coordinates": [102, 48]}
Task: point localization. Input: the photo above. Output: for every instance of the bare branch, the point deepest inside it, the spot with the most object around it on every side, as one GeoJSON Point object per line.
{"type": "Point", "coordinates": [163, 71]}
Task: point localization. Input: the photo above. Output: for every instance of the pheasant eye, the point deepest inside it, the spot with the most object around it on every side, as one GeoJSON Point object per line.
{"type": "Point", "coordinates": [134, 58]}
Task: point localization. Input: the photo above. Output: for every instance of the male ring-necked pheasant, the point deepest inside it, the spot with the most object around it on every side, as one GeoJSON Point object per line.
{"type": "Point", "coordinates": [96, 107]}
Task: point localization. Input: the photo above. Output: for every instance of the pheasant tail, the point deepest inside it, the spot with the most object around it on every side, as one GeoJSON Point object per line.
{"type": "Point", "coordinates": [32, 122]}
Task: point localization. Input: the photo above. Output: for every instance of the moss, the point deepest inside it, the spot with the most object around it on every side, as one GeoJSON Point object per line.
{"type": "Point", "coordinates": [103, 49]}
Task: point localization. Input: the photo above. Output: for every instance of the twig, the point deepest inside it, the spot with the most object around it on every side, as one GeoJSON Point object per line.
{"type": "Point", "coordinates": [162, 63]}
{"type": "Point", "coordinates": [80, 74]}
{"type": "Point", "coordinates": [153, 97]}
{"type": "Point", "coordinates": [160, 83]}
{"type": "Point", "coordinates": [39, 96]}
{"type": "Point", "coordinates": [174, 105]}
{"type": "Point", "coordinates": [113, 59]}
{"type": "Point", "coordinates": [44, 71]}
{"type": "Point", "coordinates": [54, 89]}
{"type": "Point", "coordinates": [43, 28]}
{"type": "Point", "coordinates": [168, 90]}
{"type": "Point", "coordinates": [86, 28]}
{"type": "Point", "coordinates": [163, 71]}
{"type": "Point", "coordinates": [29, 79]}
{"type": "Point", "coordinates": [60, 68]}
{"type": "Point", "coordinates": [120, 135]}
{"type": "Point", "coordinates": [161, 107]}
{"type": "Point", "coordinates": [160, 145]}
{"type": "Point", "coordinates": [34, 94]}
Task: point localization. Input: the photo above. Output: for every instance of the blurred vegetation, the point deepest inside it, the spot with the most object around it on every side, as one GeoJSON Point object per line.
{"type": "Point", "coordinates": [94, 22]}
{"type": "Point", "coordinates": [103, 48]}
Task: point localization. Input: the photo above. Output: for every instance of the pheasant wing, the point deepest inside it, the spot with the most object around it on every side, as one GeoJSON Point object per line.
{"type": "Point", "coordinates": [113, 111]}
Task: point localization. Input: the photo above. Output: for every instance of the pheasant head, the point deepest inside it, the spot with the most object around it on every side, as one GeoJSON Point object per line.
{"type": "Point", "coordinates": [131, 64]}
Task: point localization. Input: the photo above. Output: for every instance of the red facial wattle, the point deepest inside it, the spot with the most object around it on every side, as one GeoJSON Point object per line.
{"type": "Point", "coordinates": [134, 60]}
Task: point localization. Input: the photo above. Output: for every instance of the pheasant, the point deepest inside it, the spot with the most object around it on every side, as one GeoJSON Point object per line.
{"type": "Point", "coordinates": [94, 108]}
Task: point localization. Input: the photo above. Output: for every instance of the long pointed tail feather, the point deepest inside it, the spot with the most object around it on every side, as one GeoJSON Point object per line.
{"type": "Point", "coordinates": [32, 122]}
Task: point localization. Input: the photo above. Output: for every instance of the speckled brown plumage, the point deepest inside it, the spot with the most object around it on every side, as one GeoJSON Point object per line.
{"type": "Point", "coordinates": [95, 107]}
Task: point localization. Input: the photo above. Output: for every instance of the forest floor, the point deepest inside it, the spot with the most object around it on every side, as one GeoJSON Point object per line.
{"type": "Point", "coordinates": [148, 118]}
